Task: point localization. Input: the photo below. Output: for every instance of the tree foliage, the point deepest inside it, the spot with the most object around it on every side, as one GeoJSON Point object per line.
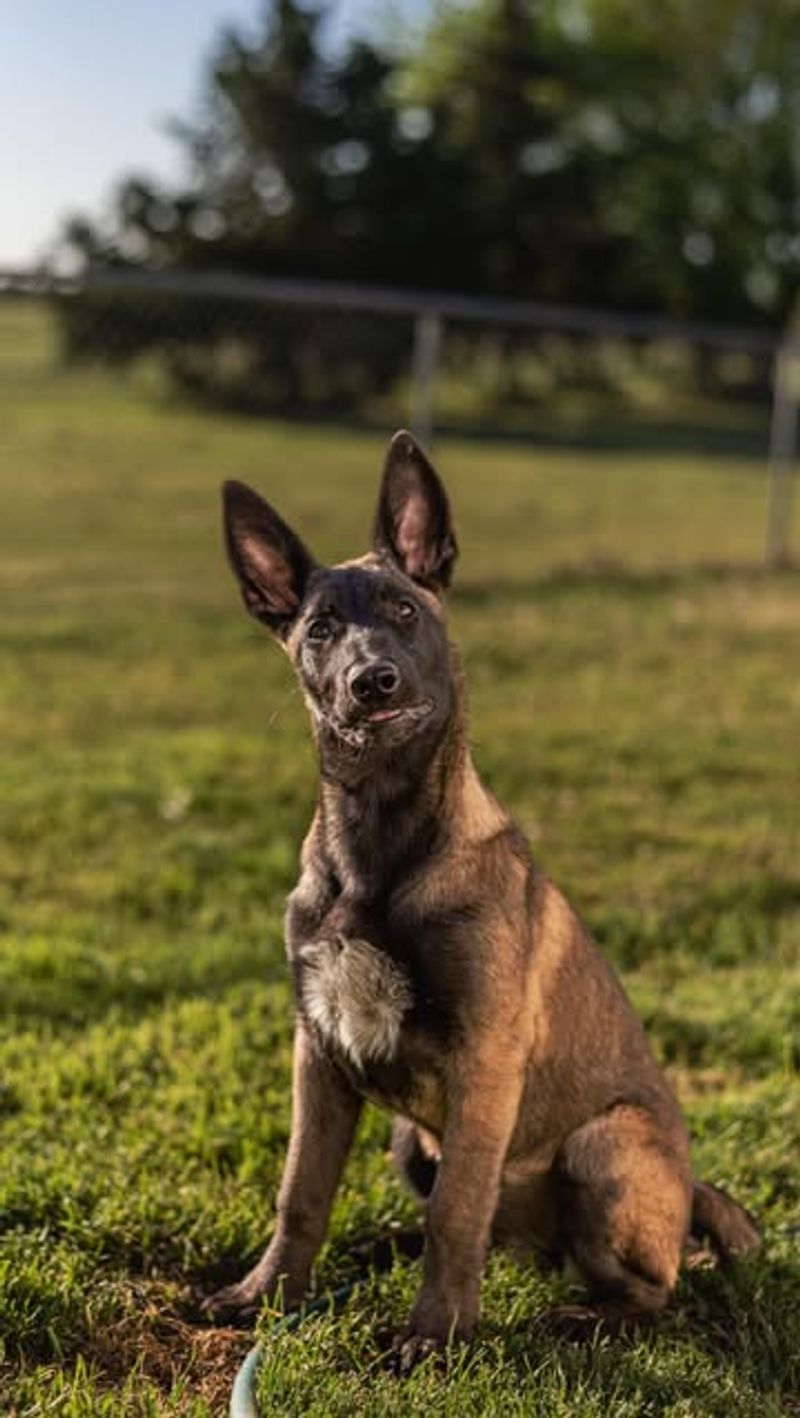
{"type": "Point", "coordinates": [638, 153]}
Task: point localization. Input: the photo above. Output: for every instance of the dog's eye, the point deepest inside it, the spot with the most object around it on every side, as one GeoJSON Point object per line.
{"type": "Point", "coordinates": [320, 629]}
{"type": "Point", "coordinates": [406, 610]}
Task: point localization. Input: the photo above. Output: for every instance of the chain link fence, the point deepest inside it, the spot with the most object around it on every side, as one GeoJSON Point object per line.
{"type": "Point", "coordinates": [440, 362]}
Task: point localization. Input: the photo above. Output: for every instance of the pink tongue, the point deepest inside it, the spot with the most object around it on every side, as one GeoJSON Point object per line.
{"type": "Point", "coordinates": [381, 714]}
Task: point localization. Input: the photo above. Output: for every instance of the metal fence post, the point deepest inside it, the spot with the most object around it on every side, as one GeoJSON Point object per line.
{"type": "Point", "coordinates": [424, 369]}
{"type": "Point", "coordinates": [782, 455]}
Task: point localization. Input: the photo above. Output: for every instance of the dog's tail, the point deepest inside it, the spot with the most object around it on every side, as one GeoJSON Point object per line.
{"type": "Point", "coordinates": [721, 1220]}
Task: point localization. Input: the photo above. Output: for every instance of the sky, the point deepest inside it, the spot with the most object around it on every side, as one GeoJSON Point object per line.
{"type": "Point", "coordinates": [86, 87]}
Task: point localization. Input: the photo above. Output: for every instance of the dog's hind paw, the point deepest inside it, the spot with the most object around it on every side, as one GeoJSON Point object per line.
{"type": "Point", "coordinates": [584, 1324]}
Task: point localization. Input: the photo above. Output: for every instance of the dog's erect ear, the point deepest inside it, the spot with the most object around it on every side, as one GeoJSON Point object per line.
{"type": "Point", "coordinates": [270, 562]}
{"type": "Point", "coordinates": [413, 523]}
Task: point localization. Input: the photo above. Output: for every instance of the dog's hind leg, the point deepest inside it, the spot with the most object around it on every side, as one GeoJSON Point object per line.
{"type": "Point", "coordinates": [415, 1155]}
{"type": "Point", "coordinates": [526, 1221]}
{"type": "Point", "coordinates": [625, 1197]}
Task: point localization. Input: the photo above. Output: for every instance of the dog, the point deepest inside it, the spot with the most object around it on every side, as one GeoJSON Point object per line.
{"type": "Point", "coordinates": [439, 973]}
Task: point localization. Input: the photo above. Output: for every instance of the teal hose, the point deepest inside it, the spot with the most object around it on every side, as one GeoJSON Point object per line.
{"type": "Point", "coordinates": [376, 1257]}
{"type": "Point", "coordinates": [243, 1394]}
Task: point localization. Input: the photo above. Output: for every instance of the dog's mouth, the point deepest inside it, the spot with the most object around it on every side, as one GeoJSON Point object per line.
{"type": "Point", "coordinates": [409, 712]}
{"type": "Point", "coordinates": [357, 732]}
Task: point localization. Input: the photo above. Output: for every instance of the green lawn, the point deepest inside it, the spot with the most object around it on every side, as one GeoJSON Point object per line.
{"type": "Point", "coordinates": [635, 697]}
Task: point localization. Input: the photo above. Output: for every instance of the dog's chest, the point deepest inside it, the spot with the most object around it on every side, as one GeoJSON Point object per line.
{"type": "Point", "coordinates": [355, 996]}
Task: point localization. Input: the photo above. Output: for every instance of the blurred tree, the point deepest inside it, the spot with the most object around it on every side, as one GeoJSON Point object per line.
{"type": "Point", "coordinates": [302, 164]}
{"type": "Point", "coordinates": [500, 83]}
{"type": "Point", "coordinates": [639, 153]}
{"type": "Point", "coordinates": [694, 111]}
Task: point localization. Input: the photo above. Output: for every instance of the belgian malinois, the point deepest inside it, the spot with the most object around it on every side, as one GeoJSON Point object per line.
{"type": "Point", "coordinates": [437, 970]}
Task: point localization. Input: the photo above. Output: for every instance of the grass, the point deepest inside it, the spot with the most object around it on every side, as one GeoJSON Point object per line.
{"type": "Point", "coordinates": [634, 698]}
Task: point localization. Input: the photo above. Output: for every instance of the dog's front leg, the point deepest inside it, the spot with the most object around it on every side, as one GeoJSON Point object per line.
{"type": "Point", "coordinates": [483, 1104]}
{"type": "Point", "coordinates": [325, 1111]}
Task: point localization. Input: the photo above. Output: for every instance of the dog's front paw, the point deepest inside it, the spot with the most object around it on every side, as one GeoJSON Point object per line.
{"type": "Point", "coordinates": [242, 1302]}
{"type": "Point", "coordinates": [234, 1302]}
{"type": "Point", "coordinates": [434, 1328]}
{"type": "Point", "coordinates": [409, 1350]}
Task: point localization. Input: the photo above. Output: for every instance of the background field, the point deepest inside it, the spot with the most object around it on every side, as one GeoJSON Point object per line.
{"type": "Point", "coordinates": [635, 698]}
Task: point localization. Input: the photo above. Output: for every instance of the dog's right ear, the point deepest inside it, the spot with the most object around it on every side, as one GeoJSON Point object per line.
{"type": "Point", "coordinates": [269, 560]}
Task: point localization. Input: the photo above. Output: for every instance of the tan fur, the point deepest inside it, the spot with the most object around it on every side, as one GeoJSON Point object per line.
{"type": "Point", "coordinates": [480, 816]}
{"type": "Point", "coordinates": [554, 938]}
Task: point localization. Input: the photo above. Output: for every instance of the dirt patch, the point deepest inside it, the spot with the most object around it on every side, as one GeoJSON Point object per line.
{"type": "Point", "coordinates": [157, 1343]}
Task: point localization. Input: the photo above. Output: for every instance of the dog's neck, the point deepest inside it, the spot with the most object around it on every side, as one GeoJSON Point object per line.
{"type": "Point", "coordinates": [382, 819]}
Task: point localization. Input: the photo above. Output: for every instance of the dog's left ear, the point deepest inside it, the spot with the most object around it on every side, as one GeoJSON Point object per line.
{"type": "Point", "coordinates": [413, 524]}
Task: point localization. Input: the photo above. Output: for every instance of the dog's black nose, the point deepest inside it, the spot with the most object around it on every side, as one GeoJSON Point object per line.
{"type": "Point", "coordinates": [375, 683]}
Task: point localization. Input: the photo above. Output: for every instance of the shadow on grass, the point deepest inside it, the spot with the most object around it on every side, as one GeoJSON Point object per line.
{"type": "Point", "coordinates": [733, 1331]}
{"type": "Point", "coordinates": [613, 429]}
{"type": "Point", "coordinates": [634, 435]}
{"type": "Point", "coordinates": [720, 925]}
{"type": "Point", "coordinates": [80, 1005]}
{"type": "Point", "coordinates": [605, 576]}
{"type": "Point", "coordinates": [365, 1256]}
{"type": "Point", "coordinates": [729, 1332]}
{"type": "Point", "coordinates": [741, 1323]}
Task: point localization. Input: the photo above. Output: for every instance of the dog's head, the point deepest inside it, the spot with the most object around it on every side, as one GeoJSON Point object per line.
{"type": "Point", "coordinates": [367, 637]}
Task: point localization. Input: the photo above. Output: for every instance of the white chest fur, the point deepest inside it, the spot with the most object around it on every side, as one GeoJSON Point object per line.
{"type": "Point", "coordinates": [356, 996]}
